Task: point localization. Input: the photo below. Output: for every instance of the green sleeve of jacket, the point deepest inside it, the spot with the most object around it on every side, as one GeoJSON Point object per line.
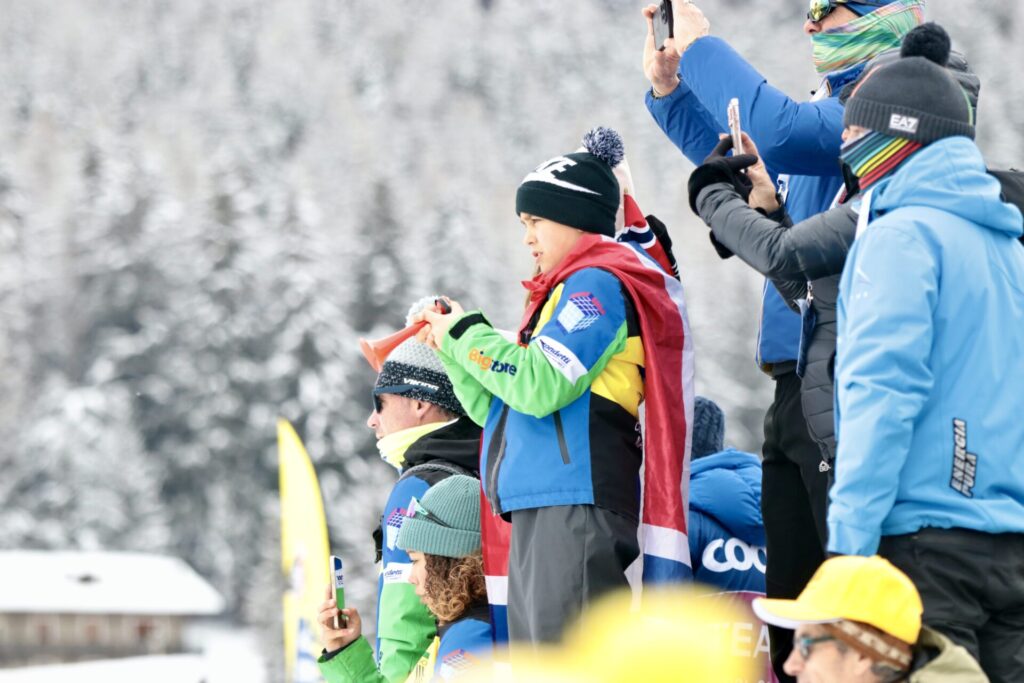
{"type": "Point", "coordinates": [473, 397]}
{"type": "Point", "coordinates": [405, 631]}
{"type": "Point", "coordinates": [524, 377]}
{"type": "Point", "coordinates": [354, 664]}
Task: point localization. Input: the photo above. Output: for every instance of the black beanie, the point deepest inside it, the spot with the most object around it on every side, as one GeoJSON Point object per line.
{"type": "Point", "coordinates": [577, 189]}
{"type": "Point", "coordinates": [913, 98]}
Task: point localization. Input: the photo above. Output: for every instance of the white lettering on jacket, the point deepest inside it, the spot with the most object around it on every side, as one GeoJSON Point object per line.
{"type": "Point", "coordinates": [397, 572]}
{"type": "Point", "coordinates": [735, 555]}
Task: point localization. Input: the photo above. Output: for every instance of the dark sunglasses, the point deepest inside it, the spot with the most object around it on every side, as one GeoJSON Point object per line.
{"type": "Point", "coordinates": [805, 644]}
{"type": "Point", "coordinates": [819, 9]}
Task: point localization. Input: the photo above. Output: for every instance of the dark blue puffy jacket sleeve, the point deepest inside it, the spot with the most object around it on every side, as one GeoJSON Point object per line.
{"type": "Point", "coordinates": [799, 138]}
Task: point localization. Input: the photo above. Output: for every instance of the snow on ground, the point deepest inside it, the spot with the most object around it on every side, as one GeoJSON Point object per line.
{"type": "Point", "coordinates": [156, 669]}
{"type": "Point", "coordinates": [232, 653]}
{"type": "Point", "coordinates": [229, 655]}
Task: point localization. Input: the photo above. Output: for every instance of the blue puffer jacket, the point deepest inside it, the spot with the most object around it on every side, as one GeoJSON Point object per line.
{"type": "Point", "coordinates": [798, 140]}
{"type": "Point", "coordinates": [931, 357]}
{"type": "Point", "coordinates": [725, 529]}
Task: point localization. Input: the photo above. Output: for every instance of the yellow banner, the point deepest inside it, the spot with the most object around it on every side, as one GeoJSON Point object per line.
{"type": "Point", "coordinates": [304, 556]}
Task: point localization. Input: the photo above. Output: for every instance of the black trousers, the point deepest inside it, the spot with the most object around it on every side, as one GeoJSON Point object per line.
{"type": "Point", "coordinates": [972, 587]}
{"type": "Point", "coordinates": [794, 503]}
{"type": "Point", "coordinates": [561, 559]}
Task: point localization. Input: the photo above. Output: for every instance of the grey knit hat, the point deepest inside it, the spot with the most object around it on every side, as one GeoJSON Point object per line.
{"type": "Point", "coordinates": [447, 521]}
{"type": "Point", "coordinates": [913, 98]}
{"type": "Point", "coordinates": [413, 370]}
{"type": "Point", "coordinates": [708, 428]}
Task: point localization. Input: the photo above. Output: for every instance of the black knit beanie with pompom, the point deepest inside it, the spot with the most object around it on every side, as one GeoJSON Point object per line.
{"type": "Point", "coordinates": [577, 189]}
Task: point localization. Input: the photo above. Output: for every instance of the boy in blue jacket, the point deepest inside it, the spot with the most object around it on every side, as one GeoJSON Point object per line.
{"type": "Point", "coordinates": [929, 366]}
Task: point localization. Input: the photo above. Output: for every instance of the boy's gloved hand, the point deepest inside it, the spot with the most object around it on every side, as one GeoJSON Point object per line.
{"type": "Point", "coordinates": [718, 168]}
{"type": "Point", "coordinates": [437, 325]}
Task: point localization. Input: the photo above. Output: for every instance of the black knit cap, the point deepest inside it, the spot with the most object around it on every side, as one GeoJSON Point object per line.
{"type": "Point", "coordinates": [577, 189]}
{"type": "Point", "coordinates": [913, 98]}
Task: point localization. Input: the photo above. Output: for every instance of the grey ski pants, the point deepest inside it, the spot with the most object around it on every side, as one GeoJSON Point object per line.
{"type": "Point", "coordinates": [561, 559]}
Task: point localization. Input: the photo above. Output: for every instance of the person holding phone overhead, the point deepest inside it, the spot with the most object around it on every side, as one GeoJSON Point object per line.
{"type": "Point", "coordinates": [692, 81]}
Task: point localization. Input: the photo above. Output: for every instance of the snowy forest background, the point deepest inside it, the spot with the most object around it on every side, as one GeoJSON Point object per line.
{"type": "Point", "coordinates": [203, 205]}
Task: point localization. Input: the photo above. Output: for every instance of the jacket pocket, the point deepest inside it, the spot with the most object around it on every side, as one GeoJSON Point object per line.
{"type": "Point", "coordinates": [563, 447]}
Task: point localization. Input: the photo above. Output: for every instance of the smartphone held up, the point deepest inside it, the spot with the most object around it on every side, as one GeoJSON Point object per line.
{"type": "Point", "coordinates": [734, 126]}
{"type": "Point", "coordinates": [337, 588]}
{"type": "Point", "coordinates": [663, 24]}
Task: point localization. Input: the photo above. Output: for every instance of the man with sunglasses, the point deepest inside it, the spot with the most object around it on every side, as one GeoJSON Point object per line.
{"type": "Point", "coordinates": [859, 621]}
{"type": "Point", "coordinates": [692, 80]}
{"type": "Point", "coordinates": [423, 432]}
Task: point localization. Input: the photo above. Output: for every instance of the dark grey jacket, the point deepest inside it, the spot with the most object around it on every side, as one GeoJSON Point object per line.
{"type": "Point", "coordinates": [805, 259]}
{"type": "Point", "coordinates": [801, 259]}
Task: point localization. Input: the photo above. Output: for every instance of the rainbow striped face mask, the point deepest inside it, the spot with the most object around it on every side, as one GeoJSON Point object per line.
{"type": "Point", "coordinates": [859, 40]}
{"type": "Point", "coordinates": [875, 155]}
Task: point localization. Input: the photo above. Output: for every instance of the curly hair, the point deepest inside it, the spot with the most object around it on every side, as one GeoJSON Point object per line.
{"type": "Point", "coordinates": [454, 584]}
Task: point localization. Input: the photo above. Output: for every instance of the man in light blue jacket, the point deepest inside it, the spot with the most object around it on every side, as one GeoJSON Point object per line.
{"type": "Point", "coordinates": [930, 368]}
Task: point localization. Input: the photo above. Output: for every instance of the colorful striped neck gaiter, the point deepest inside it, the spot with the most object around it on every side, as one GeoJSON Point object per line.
{"type": "Point", "coordinates": [861, 39]}
{"type": "Point", "coordinates": [875, 155]}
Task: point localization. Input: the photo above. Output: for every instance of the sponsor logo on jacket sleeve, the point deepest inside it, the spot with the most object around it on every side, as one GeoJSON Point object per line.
{"type": "Point", "coordinates": [488, 363]}
{"type": "Point", "coordinates": [581, 310]}
{"type": "Point", "coordinates": [456, 662]}
{"type": "Point", "coordinates": [391, 527]}
{"type": "Point", "coordinates": [397, 572]}
{"type": "Point", "coordinates": [561, 358]}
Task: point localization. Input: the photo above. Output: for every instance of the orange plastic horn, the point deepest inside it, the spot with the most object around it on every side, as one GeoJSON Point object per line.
{"type": "Point", "coordinates": [376, 352]}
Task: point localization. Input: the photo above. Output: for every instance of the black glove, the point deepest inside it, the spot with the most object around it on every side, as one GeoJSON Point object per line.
{"type": "Point", "coordinates": [723, 251]}
{"type": "Point", "coordinates": [718, 168]}
{"type": "Point", "coordinates": [661, 234]}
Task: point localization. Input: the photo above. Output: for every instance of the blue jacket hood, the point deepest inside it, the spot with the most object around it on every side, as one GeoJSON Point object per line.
{"type": "Point", "coordinates": [727, 487]}
{"type": "Point", "coordinates": [950, 175]}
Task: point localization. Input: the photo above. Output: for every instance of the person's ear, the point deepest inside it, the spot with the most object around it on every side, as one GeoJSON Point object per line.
{"type": "Point", "coordinates": [421, 408]}
{"type": "Point", "coordinates": [862, 665]}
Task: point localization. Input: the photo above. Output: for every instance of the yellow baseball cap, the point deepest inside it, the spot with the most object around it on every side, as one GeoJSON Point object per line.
{"type": "Point", "coordinates": [854, 588]}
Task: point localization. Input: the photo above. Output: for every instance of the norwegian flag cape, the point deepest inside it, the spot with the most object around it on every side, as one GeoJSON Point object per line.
{"type": "Point", "coordinates": [668, 353]}
{"type": "Point", "coordinates": [668, 380]}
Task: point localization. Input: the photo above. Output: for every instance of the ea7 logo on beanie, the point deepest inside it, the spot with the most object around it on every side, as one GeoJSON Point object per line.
{"type": "Point", "coordinates": [903, 124]}
{"type": "Point", "coordinates": [487, 363]}
{"type": "Point", "coordinates": [545, 173]}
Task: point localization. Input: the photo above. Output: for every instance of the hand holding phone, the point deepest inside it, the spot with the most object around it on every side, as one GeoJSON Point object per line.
{"type": "Point", "coordinates": [337, 587]}
{"type": "Point", "coordinates": [734, 126]}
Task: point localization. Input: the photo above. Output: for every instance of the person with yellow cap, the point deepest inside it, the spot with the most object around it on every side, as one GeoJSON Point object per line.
{"type": "Point", "coordinates": [859, 621]}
